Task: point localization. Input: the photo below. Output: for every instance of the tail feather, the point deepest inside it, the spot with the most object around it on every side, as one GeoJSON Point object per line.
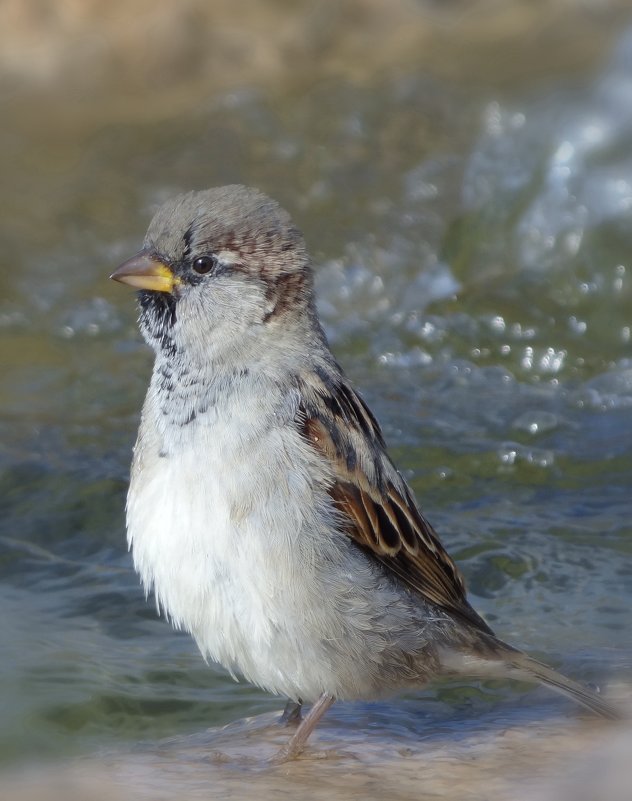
{"type": "Point", "coordinates": [492, 657]}
{"type": "Point", "coordinates": [530, 669]}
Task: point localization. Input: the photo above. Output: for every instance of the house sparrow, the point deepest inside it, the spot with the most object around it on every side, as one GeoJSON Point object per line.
{"type": "Point", "coordinates": [263, 510]}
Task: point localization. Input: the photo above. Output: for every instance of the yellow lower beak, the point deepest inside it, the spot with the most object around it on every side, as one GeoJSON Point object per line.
{"type": "Point", "coordinates": [144, 271]}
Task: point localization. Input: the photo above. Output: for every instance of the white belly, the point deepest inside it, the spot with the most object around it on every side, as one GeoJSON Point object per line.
{"type": "Point", "coordinates": [230, 546]}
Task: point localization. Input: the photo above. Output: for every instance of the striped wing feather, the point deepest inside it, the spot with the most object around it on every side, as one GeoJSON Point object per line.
{"type": "Point", "coordinates": [378, 508]}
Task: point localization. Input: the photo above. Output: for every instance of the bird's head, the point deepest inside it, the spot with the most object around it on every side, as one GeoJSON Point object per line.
{"type": "Point", "coordinates": [218, 267]}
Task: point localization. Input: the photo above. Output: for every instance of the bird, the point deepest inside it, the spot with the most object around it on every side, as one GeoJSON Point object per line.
{"type": "Point", "coordinates": [263, 511]}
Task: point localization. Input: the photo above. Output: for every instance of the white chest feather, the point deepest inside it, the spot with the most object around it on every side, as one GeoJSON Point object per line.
{"type": "Point", "coordinates": [224, 527]}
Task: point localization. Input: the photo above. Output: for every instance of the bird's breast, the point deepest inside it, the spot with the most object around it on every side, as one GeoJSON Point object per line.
{"type": "Point", "coordinates": [226, 531]}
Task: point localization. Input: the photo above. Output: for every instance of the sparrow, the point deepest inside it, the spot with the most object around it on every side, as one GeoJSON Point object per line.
{"type": "Point", "coordinates": [263, 509]}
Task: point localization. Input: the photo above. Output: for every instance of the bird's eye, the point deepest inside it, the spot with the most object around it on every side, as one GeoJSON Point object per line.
{"type": "Point", "coordinates": [204, 264]}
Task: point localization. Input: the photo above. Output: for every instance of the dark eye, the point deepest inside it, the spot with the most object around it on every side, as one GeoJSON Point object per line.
{"type": "Point", "coordinates": [204, 264]}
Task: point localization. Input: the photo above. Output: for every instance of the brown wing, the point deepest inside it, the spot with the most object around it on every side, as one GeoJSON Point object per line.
{"type": "Point", "coordinates": [381, 514]}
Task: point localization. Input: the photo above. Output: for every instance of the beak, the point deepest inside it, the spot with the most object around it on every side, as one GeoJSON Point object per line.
{"type": "Point", "coordinates": [144, 271]}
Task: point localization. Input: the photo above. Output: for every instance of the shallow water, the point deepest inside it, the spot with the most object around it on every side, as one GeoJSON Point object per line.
{"type": "Point", "coordinates": [474, 276]}
{"type": "Point", "coordinates": [370, 752]}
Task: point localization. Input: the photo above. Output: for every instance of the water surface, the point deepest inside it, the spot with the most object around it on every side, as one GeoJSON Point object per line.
{"type": "Point", "coordinates": [472, 246]}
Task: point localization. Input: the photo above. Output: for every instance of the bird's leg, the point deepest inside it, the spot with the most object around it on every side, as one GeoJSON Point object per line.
{"type": "Point", "coordinates": [307, 726]}
{"type": "Point", "coordinates": [292, 713]}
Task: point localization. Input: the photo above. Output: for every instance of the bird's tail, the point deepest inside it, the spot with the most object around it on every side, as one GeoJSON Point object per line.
{"type": "Point", "coordinates": [496, 658]}
{"type": "Point", "coordinates": [528, 668]}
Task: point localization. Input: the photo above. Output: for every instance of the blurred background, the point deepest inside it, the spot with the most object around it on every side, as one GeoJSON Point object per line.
{"type": "Point", "coordinates": [462, 171]}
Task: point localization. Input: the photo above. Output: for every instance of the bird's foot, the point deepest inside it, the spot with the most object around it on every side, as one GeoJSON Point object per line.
{"type": "Point", "coordinates": [292, 713]}
{"type": "Point", "coordinates": [298, 740]}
